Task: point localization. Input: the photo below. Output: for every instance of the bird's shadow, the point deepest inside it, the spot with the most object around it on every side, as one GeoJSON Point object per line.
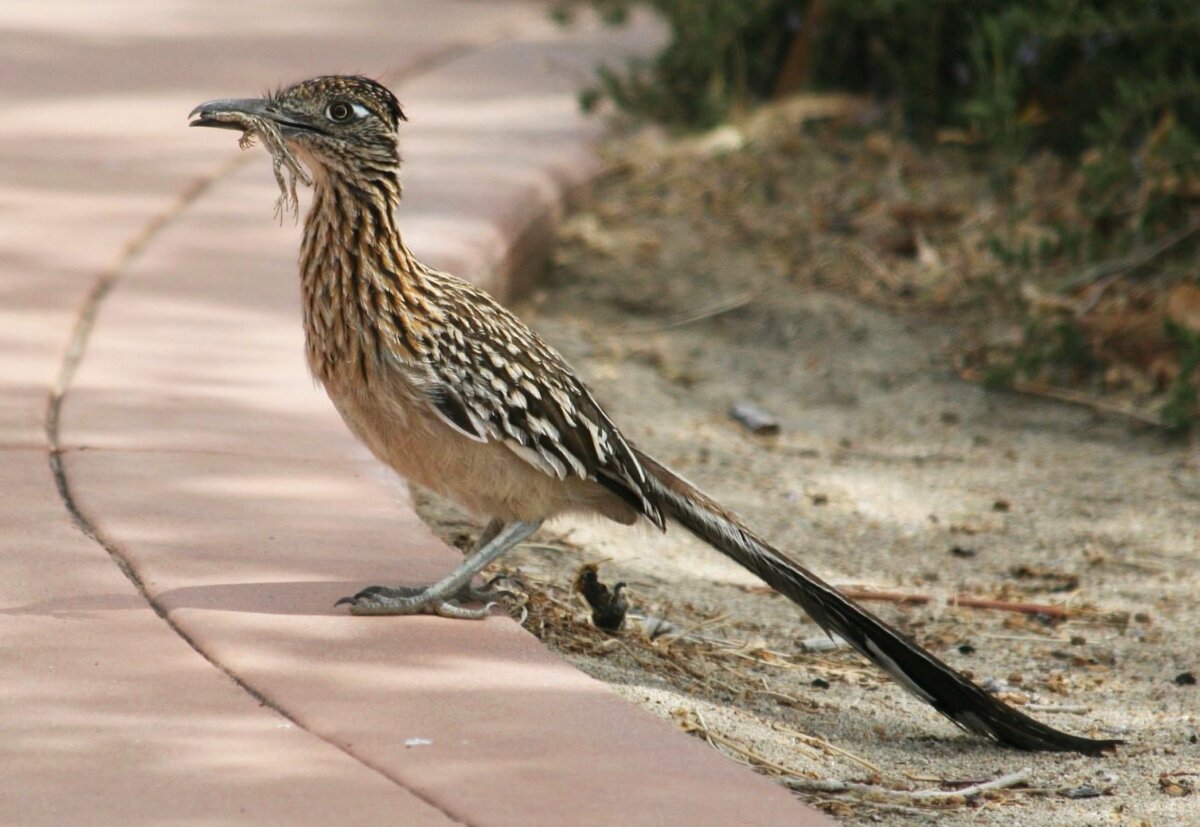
{"type": "Point", "coordinates": [310, 598]}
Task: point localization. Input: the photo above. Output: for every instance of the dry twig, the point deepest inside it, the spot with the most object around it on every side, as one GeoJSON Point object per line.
{"type": "Point", "coordinates": [959, 601]}
{"type": "Point", "coordinates": [1106, 270]}
{"type": "Point", "coordinates": [1066, 395]}
{"type": "Point", "coordinates": [686, 317]}
{"type": "Point", "coordinates": [832, 785]}
{"type": "Point", "coordinates": [693, 722]}
{"type": "Point", "coordinates": [966, 602]}
{"type": "Point", "coordinates": [828, 747]}
{"type": "Point", "coordinates": [1059, 709]}
{"type": "Point", "coordinates": [855, 593]}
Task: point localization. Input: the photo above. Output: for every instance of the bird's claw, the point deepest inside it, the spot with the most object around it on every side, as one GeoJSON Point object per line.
{"type": "Point", "coordinates": [487, 593]}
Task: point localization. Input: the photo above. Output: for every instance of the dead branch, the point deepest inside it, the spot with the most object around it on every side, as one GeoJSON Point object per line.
{"type": "Point", "coordinates": [832, 785]}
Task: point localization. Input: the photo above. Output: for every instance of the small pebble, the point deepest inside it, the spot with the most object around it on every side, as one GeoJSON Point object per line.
{"type": "Point", "coordinates": [820, 643]}
{"type": "Point", "coordinates": [754, 419]}
{"type": "Point", "coordinates": [1175, 786]}
{"type": "Point", "coordinates": [655, 627]}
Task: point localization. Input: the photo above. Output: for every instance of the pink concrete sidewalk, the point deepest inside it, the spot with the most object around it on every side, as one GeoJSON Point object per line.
{"type": "Point", "coordinates": [176, 531]}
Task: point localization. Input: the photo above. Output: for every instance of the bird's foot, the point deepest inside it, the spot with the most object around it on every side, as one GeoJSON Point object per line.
{"type": "Point", "coordinates": [409, 600]}
{"type": "Point", "coordinates": [488, 592]}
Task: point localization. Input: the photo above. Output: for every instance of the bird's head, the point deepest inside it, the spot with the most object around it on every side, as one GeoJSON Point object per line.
{"type": "Point", "coordinates": [342, 126]}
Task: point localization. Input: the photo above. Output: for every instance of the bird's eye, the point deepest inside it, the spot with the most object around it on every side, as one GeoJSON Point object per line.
{"type": "Point", "coordinates": [339, 112]}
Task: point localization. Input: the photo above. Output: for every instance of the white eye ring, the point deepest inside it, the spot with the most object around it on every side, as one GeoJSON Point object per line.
{"type": "Point", "coordinates": [343, 112]}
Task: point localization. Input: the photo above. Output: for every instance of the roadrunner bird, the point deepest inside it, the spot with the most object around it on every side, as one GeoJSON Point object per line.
{"type": "Point", "coordinates": [458, 395]}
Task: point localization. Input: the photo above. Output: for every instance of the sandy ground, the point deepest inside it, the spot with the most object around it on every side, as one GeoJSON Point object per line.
{"type": "Point", "coordinates": [887, 473]}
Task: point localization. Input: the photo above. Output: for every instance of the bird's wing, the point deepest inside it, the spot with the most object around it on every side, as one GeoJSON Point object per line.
{"type": "Point", "coordinates": [496, 380]}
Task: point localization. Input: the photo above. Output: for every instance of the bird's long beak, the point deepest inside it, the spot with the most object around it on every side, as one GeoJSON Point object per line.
{"type": "Point", "coordinates": [230, 113]}
{"type": "Point", "coordinates": [224, 113]}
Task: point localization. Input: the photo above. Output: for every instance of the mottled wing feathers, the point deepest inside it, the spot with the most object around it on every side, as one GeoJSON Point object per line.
{"type": "Point", "coordinates": [495, 380]}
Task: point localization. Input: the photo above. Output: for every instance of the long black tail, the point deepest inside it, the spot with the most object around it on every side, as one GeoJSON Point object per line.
{"type": "Point", "coordinates": [918, 671]}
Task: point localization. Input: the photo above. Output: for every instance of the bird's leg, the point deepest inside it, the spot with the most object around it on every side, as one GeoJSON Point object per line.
{"type": "Point", "coordinates": [485, 594]}
{"type": "Point", "coordinates": [469, 593]}
{"type": "Point", "coordinates": [489, 533]}
{"type": "Point", "coordinates": [443, 598]}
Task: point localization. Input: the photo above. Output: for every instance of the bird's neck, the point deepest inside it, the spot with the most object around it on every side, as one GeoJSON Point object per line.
{"type": "Point", "coordinates": [364, 293]}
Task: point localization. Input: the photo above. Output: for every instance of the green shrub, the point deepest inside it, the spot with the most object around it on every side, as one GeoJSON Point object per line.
{"type": "Point", "coordinates": [1103, 93]}
{"type": "Point", "coordinates": [721, 55]}
{"type": "Point", "coordinates": [1181, 411]}
{"type": "Point", "coordinates": [1112, 83]}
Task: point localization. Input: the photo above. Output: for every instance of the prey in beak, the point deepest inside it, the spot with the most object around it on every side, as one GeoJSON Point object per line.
{"type": "Point", "coordinates": [260, 117]}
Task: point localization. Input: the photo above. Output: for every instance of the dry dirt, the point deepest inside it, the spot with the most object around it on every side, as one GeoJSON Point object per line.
{"type": "Point", "coordinates": [887, 473]}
